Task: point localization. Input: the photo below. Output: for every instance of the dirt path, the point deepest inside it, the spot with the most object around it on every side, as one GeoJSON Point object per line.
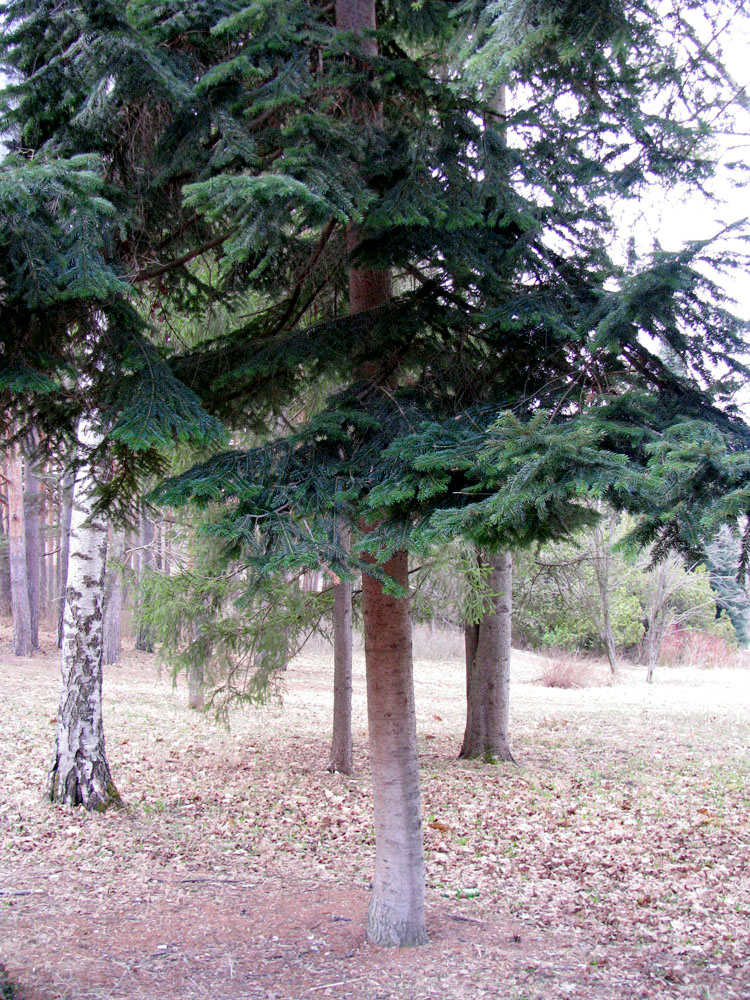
{"type": "Point", "coordinates": [614, 863]}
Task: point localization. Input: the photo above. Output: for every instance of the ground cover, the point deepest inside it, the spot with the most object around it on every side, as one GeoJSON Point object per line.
{"type": "Point", "coordinates": [613, 862]}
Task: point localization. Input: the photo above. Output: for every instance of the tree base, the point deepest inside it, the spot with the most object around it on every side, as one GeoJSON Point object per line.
{"type": "Point", "coordinates": [394, 930]}
{"type": "Point", "coordinates": [490, 755]}
{"type": "Point", "coordinates": [90, 787]}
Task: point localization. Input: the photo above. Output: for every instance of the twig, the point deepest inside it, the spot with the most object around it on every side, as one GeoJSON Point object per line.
{"type": "Point", "coordinates": [329, 986]}
{"type": "Point", "coordinates": [464, 920]}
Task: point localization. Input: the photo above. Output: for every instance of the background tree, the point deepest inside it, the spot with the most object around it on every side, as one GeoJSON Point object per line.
{"type": "Point", "coordinates": [19, 587]}
{"type": "Point", "coordinates": [488, 651]}
{"type": "Point", "coordinates": [731, 596]}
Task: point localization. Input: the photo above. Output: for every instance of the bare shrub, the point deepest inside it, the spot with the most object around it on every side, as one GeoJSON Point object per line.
{"type": "Point", "coordinates": [694, 648]}
{"type": "Point", "coordinates": [566, 672]}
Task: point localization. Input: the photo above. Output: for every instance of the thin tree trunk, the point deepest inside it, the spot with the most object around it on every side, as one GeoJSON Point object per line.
{"type": "Point", "coordinates": [488, 650]}
{"type": "Point", "coordinates": [80, 772]}
{"type": "Point", "coordinates": [45, 547]}
{"type": "Point", "coordinates": [66, 510]}
{"type": "Point", "coordinates": [32, 514]}
{"type": "Point", "coordinates": [113, 595]}
{"type": "Point", "coordinates": [608, 635]}
{"type": "Point", "coordinates": [396, 915]}
{"type": "Point", "coordinates": [657, 624]}
{"type": "Point", "coordinates": [5, 599]}
{"type": "Point", "coordinates": [19, 587]}
{"type": "Point", "coordinates": [341, 742]}
{"type": "Point", "coordinates": [144, 636]}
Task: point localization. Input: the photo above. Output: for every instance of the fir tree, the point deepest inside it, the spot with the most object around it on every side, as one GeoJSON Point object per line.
{"type": "Point", "coordinates": [448, 269]}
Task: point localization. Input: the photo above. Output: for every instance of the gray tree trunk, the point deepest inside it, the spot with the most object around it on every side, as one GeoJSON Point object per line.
{"type": "Point", "coordinates": [80, 772]}
{"type": "Point", "coordinates": [657, 624]}
{"type": "Point", "coordinates": [22, 644]}
{"type": "Point", "coordinates": [5, 601]}
{"type": "Point", "coordinates": [603, 536]}
{"type": "Point", "coordinates": [196, 695]}
{"type": "Point", "coordinates": [396, 915]}
{"type": "Point", "coordinates": [144, 639]}
{"type": "Point", "coordinates": [32, 500]}
{"type": "Point", "coordinates": [488, 651]}
{"type": "Point", "coordinates": [113, 599]}
{"type": "Point", "coordinates": [341, 742]}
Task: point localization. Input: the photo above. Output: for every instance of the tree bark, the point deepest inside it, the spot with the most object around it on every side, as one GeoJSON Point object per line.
{"type": "Point", "coordinates": [113, 595]}
{"type": "Point", "coordinates": [80, 772]}
{"type": "Point", "coordinates": [196, 696]}
{"type": "Point", "coordinates": [657, 624]}
{"type": "Point", "coordinates": [22, 644]}
{"type": "Point", "coordinates": [144, 639]}
{"type": "Point", "coordinates": [488, 650]}
{"type": "Point", "coordinates": [5, 594]}
{"type": "Point", "coordinates": [603, 575]}
{"type": "Point", "coordinates": [396, 915]}
{"type": "Point", "coordinates": [66, 510]}
{"type": "Point", "coordinates": [32, 500]}
{"type": "Point", "coordinates": [341, 742]}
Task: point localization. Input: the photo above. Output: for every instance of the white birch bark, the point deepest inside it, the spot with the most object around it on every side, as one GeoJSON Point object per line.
{"type": "Point", "coordinates": [80, 772]}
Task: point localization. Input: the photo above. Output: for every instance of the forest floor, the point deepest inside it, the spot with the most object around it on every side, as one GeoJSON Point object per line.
{"type": "Point", "coordinates": [612, 863]}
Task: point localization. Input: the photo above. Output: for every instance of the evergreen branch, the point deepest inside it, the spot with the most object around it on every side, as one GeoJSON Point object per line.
{"type": "Point", "coordinates": [153, 271]}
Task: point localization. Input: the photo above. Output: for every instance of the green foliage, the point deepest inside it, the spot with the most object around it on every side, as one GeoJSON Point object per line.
{"type": "Point", "coordinates": [558, 599]}
{"type": "Point", "coordinates": [53, 224]}
{"type": "Point", "coordinates": [240, 628]}
{"type": "Point", "coordinates": [514, 375]}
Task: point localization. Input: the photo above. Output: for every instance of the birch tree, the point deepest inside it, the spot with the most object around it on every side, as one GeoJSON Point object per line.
{"type": "Point", "coordinates": [80, 773]}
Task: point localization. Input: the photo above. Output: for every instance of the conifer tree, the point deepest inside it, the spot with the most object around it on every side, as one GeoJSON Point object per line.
{"type": "Point", "coordinates": [494, 368]}
{"type": "Point", "coordinates": [448, 270]}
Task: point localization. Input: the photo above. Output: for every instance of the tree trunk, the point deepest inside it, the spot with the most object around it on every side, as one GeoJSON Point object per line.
{"type": "Point", "coordinates": [657, 624]}
{"type": "Point", "coordinates": [603, 536]}
{"type": "Point", "coordinates": [19, 587]}
{"type": "Point", "coordinates": [113, 594]}
{"type": "Point", "coordinates": [66, 504]}
{"type": "Point", "coordinates": [196, 696]}
{"type": "Point", "coordinates": [396, 915]}
{"type": "Point", "coordinates": [80, 772]}
{"type": "Point", "coordinates": [5, 598]}
{"type": "Point", "coordinates": [341, 742]}
{"type": "Point", "coordinates": [144, 639]}
{"type": "Point", "coordinates": [32, 499]}
{"type": "Point", "coordinates": [608, 635]}
{"type": "Point", "coordinates": [488, 649]}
